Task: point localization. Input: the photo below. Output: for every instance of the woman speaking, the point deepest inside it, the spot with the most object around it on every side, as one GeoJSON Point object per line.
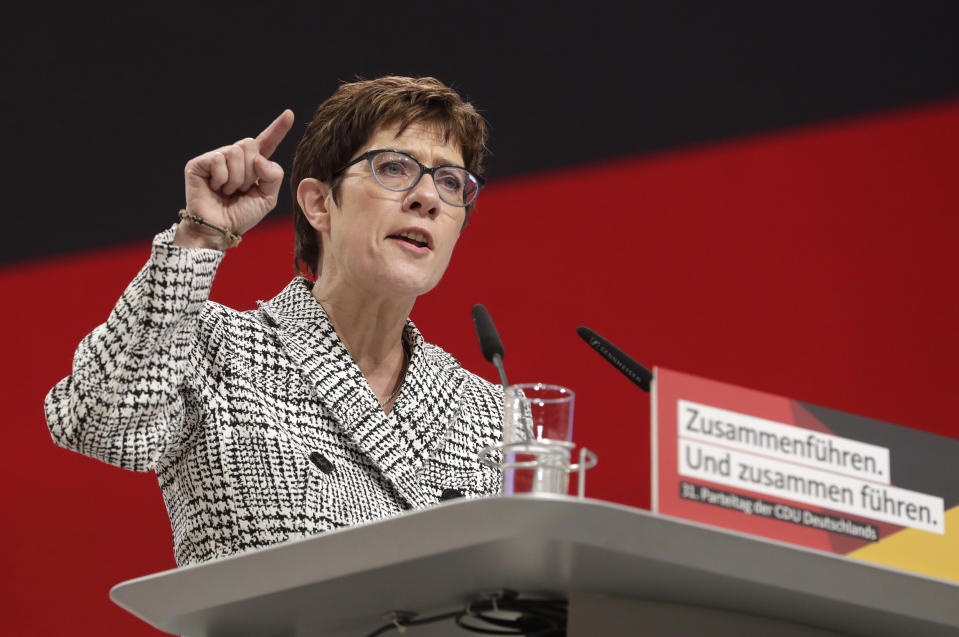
{"type": "Point", "coordinates": [324, 407]}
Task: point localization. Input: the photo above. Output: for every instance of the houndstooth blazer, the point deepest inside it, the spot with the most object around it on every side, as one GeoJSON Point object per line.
{"type": "Point", "coordinates": [259, 425]}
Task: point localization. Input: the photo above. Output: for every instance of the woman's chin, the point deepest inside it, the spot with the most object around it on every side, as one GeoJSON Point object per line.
{"type": "Point", "coordinates": [409, 282]}
{"type": "Point", "coordinates": [412, 289]}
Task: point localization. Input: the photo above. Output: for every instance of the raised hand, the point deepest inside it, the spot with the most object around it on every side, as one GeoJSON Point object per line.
{"type": "Point", "coordinates": [233, 187]}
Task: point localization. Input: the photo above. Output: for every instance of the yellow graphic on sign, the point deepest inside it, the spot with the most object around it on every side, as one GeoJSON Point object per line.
{"type": "Point", "coordinates": [919, 551]}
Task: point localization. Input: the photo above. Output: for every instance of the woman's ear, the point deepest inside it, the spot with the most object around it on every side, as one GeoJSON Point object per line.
{"type": "Point", "coordinates": [315, 199]}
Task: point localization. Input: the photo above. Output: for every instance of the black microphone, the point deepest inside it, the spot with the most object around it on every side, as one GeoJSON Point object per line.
{"type": "Point", "coordinates": [620, 360]}
{"type": "Point", "coordinates": [489, 340]}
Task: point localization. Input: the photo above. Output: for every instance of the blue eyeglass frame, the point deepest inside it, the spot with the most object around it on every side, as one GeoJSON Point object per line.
{"type": "Point", "coordinates": [370, 154]}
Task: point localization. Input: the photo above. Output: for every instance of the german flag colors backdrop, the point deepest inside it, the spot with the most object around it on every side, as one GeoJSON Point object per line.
{"type": "Point", "coordinates": [757, 195]}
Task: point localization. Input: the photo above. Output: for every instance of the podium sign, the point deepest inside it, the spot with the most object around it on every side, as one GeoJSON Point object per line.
{"type": "Point", "coordinates": [800, 473]}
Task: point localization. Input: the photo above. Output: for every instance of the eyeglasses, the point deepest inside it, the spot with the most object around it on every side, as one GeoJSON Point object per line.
{"type": "Point", "coordinates": [399, 171]}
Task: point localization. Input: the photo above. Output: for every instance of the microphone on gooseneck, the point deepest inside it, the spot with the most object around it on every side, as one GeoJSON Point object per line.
{"type": "Point", "coordinates": [489, 340]}
{"type": "Point", "coordinates": [620, 360]}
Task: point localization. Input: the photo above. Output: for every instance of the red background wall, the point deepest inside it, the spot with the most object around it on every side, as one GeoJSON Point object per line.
{"type": "Point", "coordinates": [816, 263]}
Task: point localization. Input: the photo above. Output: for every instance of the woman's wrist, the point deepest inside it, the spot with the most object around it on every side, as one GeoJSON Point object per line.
{"type": "Point", "coordinates": [193, 235]}
{"type": "Point", "coordinates": [196, 232]}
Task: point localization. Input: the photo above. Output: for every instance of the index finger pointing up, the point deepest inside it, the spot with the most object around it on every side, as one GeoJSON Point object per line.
{"type": "Point", "coordinates": [273, 134]}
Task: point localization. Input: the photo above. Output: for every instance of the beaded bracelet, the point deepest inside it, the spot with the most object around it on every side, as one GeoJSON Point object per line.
{"type": "Point", "coordinates": [231, 236]}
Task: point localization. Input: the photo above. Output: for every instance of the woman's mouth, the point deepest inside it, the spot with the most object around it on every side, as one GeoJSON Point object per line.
{"type": "Point", "coordinates": [412, 237]}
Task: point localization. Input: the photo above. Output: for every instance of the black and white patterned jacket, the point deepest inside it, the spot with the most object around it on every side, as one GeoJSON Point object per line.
{"type": "Point", "coordinates": [259, 425]}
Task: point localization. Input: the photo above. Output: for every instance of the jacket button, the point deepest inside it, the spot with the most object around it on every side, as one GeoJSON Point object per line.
{"type": "Point", "coordinates": [321, 462]}
{"type": "Point", "coordinates": [449, 494]}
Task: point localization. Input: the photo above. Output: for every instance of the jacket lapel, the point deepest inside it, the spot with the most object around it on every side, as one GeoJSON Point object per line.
{"type": "Point", "coordinates": [427, 408]}
{"type": "Point", "coordinates": [398, 444]}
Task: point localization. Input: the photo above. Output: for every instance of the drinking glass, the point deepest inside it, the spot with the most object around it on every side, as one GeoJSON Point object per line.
{"type": "Point", "coordinates": [538, 438]}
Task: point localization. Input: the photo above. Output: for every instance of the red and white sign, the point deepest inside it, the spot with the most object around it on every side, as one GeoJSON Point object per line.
{"type": "Point", "coordinates": [782, 469]}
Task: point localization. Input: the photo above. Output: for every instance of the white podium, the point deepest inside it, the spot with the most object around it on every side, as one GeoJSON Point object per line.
{"type": "Point", "coordinates": [624, 570]}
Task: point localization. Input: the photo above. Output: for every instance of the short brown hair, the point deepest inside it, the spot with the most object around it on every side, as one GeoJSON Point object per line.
{"type": "Point", "coordinates": [351, 116]}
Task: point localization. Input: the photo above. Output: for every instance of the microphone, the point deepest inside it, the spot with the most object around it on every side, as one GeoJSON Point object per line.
{"type": "Point", "coordinates": [620, 360]}
{"type": "Point", "coordinates": [489, 340]}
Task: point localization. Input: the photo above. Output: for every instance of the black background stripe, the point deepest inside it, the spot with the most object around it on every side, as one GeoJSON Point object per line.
{"type": "Point", "coordinates": [105, 104]}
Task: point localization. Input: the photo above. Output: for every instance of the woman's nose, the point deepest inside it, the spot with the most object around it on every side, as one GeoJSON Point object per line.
{"type": "Point", "coordinates": [423, 197]}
